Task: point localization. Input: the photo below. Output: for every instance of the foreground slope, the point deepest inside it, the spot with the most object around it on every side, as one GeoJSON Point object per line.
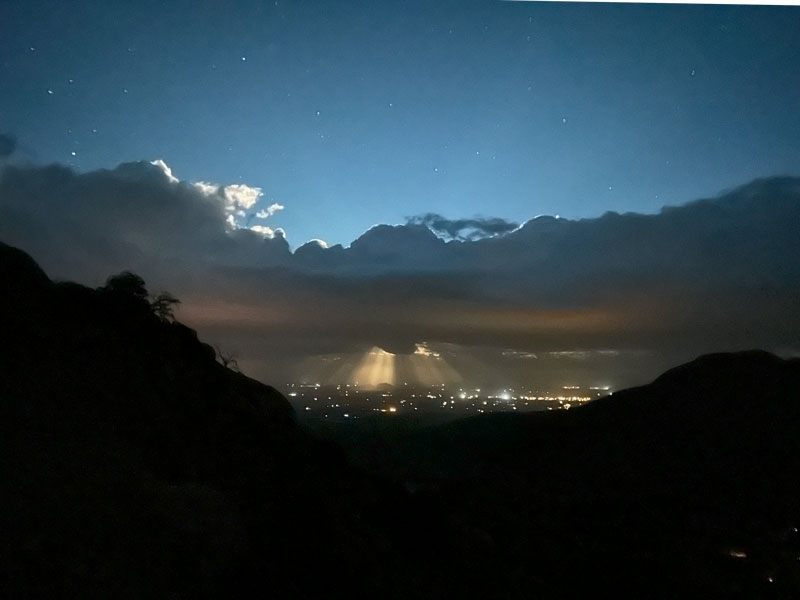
{"type": "Point", "coordinates": [132, 463]}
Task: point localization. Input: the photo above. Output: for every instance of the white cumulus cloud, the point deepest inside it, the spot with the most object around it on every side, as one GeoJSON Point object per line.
{"type": "Point", "coordinates": [270, 210]}
{"type": "Point", "coordinates": [236, 198]}
{"type": "Point", "coordinates": [165, 168]}
{"type": "Point", "coordinates": [239, 196]}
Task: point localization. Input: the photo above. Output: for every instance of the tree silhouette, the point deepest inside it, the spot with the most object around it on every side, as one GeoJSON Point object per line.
{"type": "Point", "coordinates": [228, 359]}
{"type": "Point", "coordinates": [163, 306]}
{"type": "Point", "coordinates": [127, 283]}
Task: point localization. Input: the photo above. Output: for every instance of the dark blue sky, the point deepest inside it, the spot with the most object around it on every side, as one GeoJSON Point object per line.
{"type": "Point", "coordinates": [350, 114]}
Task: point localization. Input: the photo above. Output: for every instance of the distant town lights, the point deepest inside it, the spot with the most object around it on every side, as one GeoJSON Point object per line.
{"type": "Point", "coordinates": [342, 403]}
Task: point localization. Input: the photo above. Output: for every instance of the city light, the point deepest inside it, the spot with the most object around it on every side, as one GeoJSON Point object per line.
{"type": "Point", "coordinates": [341, 403]}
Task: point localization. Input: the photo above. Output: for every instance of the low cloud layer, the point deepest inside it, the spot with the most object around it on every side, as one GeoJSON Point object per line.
{"type": "Point", "coordinates": [622, 294]}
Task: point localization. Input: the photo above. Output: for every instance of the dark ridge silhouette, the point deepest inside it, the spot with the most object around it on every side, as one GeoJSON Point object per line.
{"type": "Point", "coordinates": [135, 464]}
{"type": "Point", "coordinates": [658, 490]}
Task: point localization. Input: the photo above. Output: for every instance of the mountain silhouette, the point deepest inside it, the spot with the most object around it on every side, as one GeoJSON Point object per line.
{"type": "Point", "coordinates": [687, 485]}
{"type": "Point", "coordinates": [134, 464]}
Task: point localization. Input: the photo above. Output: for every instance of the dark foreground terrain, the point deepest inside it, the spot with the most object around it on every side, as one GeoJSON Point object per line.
{"type": "Point", "coordinates": [134, 465]}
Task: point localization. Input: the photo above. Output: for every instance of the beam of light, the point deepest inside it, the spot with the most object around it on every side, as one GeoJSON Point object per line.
{"type": "Point", "coordinates": [377, 367]}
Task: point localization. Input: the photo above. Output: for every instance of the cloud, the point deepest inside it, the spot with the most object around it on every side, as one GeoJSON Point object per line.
{"type": "Point", "coordinates": [8, 143]}
{"type": "Point", "coordinates": [265, 231]}
{"type": "Point", "coordinates": [518, 354]}
{"type": "Point", "coordinates": [236, 198]}
{"type": "Point", "coordinates": [270, 210]}
{"type": "Point", "coordinates": [463, 229]}
{"type": "Point", "coordinates": [632, 293]}
{"type": "Point", "coordinates": [207, 189]}
{"type": "Point", "coordinates": [319, 243]}
{"type": "Point", "coordinates": [582, 354]}
{"type": "Point", "coordinates": [166, 169]}
{"type": "Point", "coordinates": [84, 225]}
{"type": "Point", "coordinates": [241, 197]}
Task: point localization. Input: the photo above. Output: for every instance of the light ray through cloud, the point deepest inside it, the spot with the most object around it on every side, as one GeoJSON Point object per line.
{"type": "Point", "coordinates": [377, 367]}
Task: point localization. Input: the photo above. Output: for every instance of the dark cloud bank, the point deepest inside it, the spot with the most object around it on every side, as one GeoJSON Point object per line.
{"type": "Point", "coordinates": [463, 229]}
{"type": "Point", "coordinates": [8, 143]}
{"type": "Point", "coordinates": [620, 296]}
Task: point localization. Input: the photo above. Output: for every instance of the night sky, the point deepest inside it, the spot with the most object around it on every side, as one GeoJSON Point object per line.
{"type": "Point", "coordinates": [317, 120]}
{"type": "Point", "coordinates": [350, 114]}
